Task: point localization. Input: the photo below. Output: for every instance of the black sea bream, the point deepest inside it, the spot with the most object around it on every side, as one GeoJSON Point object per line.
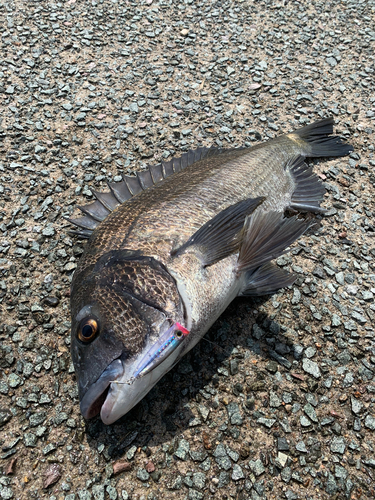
{"type": "Point", "coordinates": [170, 248]}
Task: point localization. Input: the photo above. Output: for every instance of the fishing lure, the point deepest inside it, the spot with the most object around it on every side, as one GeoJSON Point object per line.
{"type": "Point", "coordinates": [163, 348]}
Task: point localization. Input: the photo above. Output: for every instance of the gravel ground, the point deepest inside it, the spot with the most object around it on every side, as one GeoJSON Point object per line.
{"type": "Point", "coordinates": [279, 402]}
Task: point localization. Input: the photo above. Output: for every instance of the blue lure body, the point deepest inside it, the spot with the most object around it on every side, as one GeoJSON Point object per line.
{"type": "Point", "coordinates": [163, 348]}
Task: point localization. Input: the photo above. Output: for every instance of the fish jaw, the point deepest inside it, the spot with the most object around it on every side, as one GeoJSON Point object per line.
{"type": "Point", "coordinates": [92, 400]}
{"type": "Point", "coordinates": [125, 392]}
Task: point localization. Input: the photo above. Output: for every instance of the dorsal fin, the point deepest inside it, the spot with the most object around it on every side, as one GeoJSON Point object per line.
{"type": "Point", "coordinates": [119, 192]}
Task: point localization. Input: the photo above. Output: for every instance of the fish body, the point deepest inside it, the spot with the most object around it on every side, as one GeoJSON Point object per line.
{"type": "Point", "coordinates": [178, 243]}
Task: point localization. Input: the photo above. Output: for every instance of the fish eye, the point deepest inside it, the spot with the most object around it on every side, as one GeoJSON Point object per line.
{"type": "Point", "coordinates": [88, 330]}
{"type": "Point", "coordinates": [179, 333]}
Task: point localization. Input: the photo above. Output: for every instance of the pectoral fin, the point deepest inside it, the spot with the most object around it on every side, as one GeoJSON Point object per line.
{"type": "Point", "coordinates": [220, 236]}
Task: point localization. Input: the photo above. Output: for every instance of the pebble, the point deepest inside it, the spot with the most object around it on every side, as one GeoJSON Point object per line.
{"type": "Point", "coordinates": [237, 473]}
{"type": "Point", "coordinates": [338, 445]}
{"type": "Point", "coordinates": [257, 467]}
{"type": "Point", "coordinates": [311, 368]}
{"type": "Point", "coordinates": [370, 422]}
{"type": "Point", "coordinates": [183, 449]}
{"type": "Point", "coordinates": [143, 475]}
{"type": "Point", "coordinates": [5, 416]}
{"type": "Point", "coordinates": [357, 405]}
{"type": "Point", "coordinates": [234, 414]}
{"type": "Point", "coordinates": [282, 460]}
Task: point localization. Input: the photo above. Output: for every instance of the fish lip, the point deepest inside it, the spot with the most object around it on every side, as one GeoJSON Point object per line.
{"type": "Point", "coordinates": [96, 394]}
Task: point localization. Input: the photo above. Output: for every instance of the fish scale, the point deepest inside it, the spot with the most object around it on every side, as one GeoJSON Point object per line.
{"type": "Point", "coordinates": [177, 243]}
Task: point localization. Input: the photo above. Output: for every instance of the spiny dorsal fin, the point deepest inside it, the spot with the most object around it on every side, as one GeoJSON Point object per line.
{"type": "Point", "coordinates": [119, 192]}
{"type": "Point", "coordinates": [219, 237]}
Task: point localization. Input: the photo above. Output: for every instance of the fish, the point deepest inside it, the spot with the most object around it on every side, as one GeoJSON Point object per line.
{"type": "Point", "coordinates": [169, 248]}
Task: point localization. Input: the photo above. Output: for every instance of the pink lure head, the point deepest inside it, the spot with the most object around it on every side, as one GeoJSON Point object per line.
{"type": "Point", "coordinates": [182, 329]}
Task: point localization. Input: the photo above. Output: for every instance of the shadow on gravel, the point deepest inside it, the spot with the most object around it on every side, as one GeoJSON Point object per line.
{"type": "Point", "coordinates": [164, 414]}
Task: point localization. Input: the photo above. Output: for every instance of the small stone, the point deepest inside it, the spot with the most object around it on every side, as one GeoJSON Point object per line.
{"type": "Point", "coordinates": [199, 480]}
{"type": "Point", "coordinates": [5, 416]}
{"type": "Point", "coordinates": [51, 301]}
{"type": "Point", "coordinates": [338, 445]}
{"type": "Point", "coordinates": [150, 467]}
{"type": "Point", "coordinates": [133, 107]}
{"type": "Point", "coordinates": [131, 452]}
{"type": "Point", "coordinates": [257, 332]}
{"type": "Point", "coordinates": [285, 425]}
{"type": "Point", "coordinates": [257, 467]}
{"type": "Point", "coordinates": [332, 62]}
{"type": "Point", "coordinates": [370, 462]}
{"type": "Point", "coordinates": [84, 495]}
{"type": "Point", "coordinates": [233, 365]}
{"type": "Point", "coordinates": [198, 456]}
{"type": "Point", "coordinates": [357, 405]}
{"type": "Point", "coordinates": [205, 465]}
{"type": "Point", "coordinates": [267, 422]}
{"type": "Point", "coordinates": [6, 493]}
{"type": "Point", "coordinates": [143, 475]}
{"type": "Point", "coordinates": [297, 352]}
{"type": "Point", "coordinates": [272, 366]}
{"type": "Point", "coordinates": [305, 422]}
{"type": "Point", "coordinates": [156, 475]}
{"type": "Point", "coordinates": [367, 295]}
{"type": "Point", "coordinates": [282, 444]}
{"type": "Point", "coordinates": [234, 414]}
{"type": "Point", "coordinates": [286, 474]}
{"type": "Point", "coordinates": [331, 487]}
{"type": "Point", "coordinates": [37, 418]}
{"type": "Point", "coordinates": [300, 446]}
{"type": "Point", "coordinates": [51, 475]}
{"type": "Point", "coordinates": [112, 493]}
{"type": "Point", "coordinates": [176, 483]}
{"type": "Point", "coordinates": [237, 473]}
{"type": "Point", "coordinates": [224, 479]}
{"type": "Point", "coordinates": [182, 450]}
{"type": "Point", "coordinates": [282, 459]}
{"type": "Point", "coordinates": [310, 352]}
{"type": "Point", "coordinates": [14, 380]}
{"type": "Point", "coordinates": [29, 439]}
{"type": "Point", "coordinates": [335, 320]}
{"type": "Point", "coordinates": [49, 448]}
{"type": "Point", "coordinates": [340, 278]}
{"type": "Point", "coordinates": [122, 466]}
{"type": "Point", "coordinates": [370, 422]}
{"type": "Point", "coordinates": [310, 412]}
{"type": "Point", "coordinates": [340, 472]}
{"type": "Point", "coordinates": [221, 457]}
{"type": "Point", "coordinates": [311, 368]}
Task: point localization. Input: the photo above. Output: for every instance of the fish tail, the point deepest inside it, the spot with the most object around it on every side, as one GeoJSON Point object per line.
{"type": "Point", "coordinates": [317, 140]}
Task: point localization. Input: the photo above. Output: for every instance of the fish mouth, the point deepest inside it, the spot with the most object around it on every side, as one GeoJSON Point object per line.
{"type": "Point", "coordinates": [92, 402]}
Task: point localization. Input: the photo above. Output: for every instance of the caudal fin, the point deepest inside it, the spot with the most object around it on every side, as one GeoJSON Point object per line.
{"type": "Point", "coordinates": [319, 143]}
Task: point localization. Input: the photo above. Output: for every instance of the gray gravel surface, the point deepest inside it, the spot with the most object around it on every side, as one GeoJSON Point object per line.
{"type": "Point", "coordinates": [279, 401]}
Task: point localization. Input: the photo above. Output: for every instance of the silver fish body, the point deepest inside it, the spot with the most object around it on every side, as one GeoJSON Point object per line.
{"type": "Point", "coordinates": [178, 243]}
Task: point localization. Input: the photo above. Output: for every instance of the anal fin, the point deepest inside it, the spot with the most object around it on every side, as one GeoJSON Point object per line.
{"type": "Point", "coordinates": [219, 237]}
{"type": "Point", "coordinates": [267, 235]}
{"type": "Point", "coordinates": [266, 280]}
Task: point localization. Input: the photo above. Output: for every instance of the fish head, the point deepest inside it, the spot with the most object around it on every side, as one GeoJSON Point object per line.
{"type": "Point", "coordinates": [120, 306]}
